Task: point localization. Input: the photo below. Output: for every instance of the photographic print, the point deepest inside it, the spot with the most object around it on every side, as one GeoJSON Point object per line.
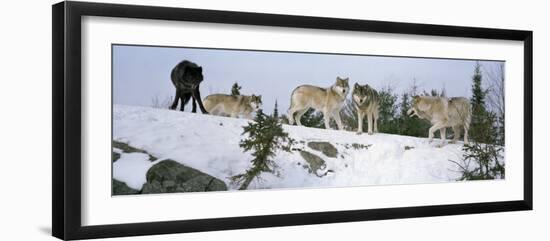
{"type": "Point", "coordinates": [280, 117]}
{"type": "Point", "coordinates": [202, 119]}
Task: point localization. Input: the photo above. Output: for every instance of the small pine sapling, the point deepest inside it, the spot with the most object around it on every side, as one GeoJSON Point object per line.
{"type": "Point", "coordinates": [265, 137]}
{"type": "Point", "coordinates": [236, 89]}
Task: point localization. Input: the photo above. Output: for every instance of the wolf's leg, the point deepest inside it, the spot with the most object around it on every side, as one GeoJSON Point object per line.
{"type": "Point", "coordinates": [433, 129]}
{"type": "Point", "coordinates": [290, 119]}
{"type": "Point", "coordinates": [446, 111]}
{"type": "Point", "coordinates": [326, 117]}
{"type": "Point", "coordinates": [291, 111]}
{"type": "Point", "coordinates": [327, 122]}
{"type": "Point", "coordinates": [456, 133]}
{"type": "Point", "coordinates": [375, 121]}
{"type": "Point", "coordinates": [359, 122]}
{"type": "Point", "coordinates": [431, 133]}
{"type": "Point", "coordinates": [369, 122]}
{"type": "Point", "coordinates": [184, 99]}
{"type": "Point", "coordinates": [176, 98]}
{"type": "Point", "coordinates": [194, 110]}
{"type": "Point", "coordinates": [197, 96]}
{"type": "Point", "coordinates": [299, 116]}
{"type": "Point", "coordinates": [443, 132]}
{"type": "Point", "coordinates": [338, 120]}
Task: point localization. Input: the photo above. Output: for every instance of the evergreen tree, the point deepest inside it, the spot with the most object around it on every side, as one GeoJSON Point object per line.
{"type": "Point", "coordinates": [481, 158]}
{"type": "Point", "coordinates": [482, 161]}
{"type": "Point", "coordinates": [405, 104]}
{"type": "Point", "coordinates": [265, 137]}
{"type": "Point", "coordinates": [479, 112]}
{"type": "Point", "coordinates": [478, 94]}
{"type": "Point", "coordinates": [387, 111]}
{"type": "Point", "coordinates": [404, 121]}
{"type": "Point", "coordinates": [414, 88]}
{"type": "Point", "coordinates": [236, 89]}
{"type": "Point", "coordinates": [276, 111]}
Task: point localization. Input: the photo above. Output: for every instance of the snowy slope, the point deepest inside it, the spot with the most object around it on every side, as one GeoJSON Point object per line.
{"type": "Point", "coordinates": [210, 144]}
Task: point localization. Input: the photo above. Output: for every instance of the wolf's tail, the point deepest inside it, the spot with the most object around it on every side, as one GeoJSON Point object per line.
{"type": "Point", "coordinates": [291, 110]}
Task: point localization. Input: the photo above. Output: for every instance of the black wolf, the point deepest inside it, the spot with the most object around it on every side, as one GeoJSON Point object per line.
{"type": "Point", "coordinates": [187, 77]}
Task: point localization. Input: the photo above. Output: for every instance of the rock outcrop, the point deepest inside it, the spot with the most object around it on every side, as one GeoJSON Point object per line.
{"type": "Point", "coordinates": [169, 176]}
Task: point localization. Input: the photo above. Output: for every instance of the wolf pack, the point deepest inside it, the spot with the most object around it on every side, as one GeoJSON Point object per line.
{"type": "Point", "coordinates": [442, 112]}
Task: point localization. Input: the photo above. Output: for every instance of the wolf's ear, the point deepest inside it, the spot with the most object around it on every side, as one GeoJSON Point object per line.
{"type": "Point", "coordinates": [356, 85]}
{"type": "Point", "coordinates": [260, 97]}
{"type": "Point", "coordinates": [199, 69]}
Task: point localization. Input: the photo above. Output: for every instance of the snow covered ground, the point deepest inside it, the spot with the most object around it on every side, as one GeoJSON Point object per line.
{"type": "Point", "coordinates": [211, 145]}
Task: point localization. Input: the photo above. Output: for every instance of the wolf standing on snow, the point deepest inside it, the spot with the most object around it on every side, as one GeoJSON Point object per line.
{"type": "Point", "coordinates": [187, 77]}
{"type": "Point", "coordinates": [366, 102]}
{"type": "Point", "coordinates": [327, 100]}
{"type": "Point", "coordinates": [232, 105]}
{"type": "Point", "coordinates": [442, 113]}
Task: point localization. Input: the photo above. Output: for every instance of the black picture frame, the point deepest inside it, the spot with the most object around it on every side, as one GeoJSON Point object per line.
{"type": "Point", "coordinates": [66, 184]}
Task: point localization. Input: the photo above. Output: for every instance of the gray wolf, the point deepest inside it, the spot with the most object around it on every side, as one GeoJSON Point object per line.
{"type": "Point", "coordinates": [232, 105]}
{"type": "Point", "coordinates": [367, 102]}
{"type": "Point", "coordinates": [186, 77]}
{"type": "Point", "coordinates": [327, 100]}
{"type": "Point", "coordinates": [442, 113]}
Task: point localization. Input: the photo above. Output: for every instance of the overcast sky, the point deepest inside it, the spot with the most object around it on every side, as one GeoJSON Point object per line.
{"type": "Point", "coordinates": [141, 73]}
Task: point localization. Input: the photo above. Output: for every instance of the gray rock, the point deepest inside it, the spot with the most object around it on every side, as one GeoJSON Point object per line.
{"type": "Point", "coordinates": [216, 185]}
{"type": "Point", "coordinates": [169, 183]}
{"type": "Point", "coordinates": [167, 176]}
{"type": "Point", "coordinates": [152, 187]}
{"type": "Point", "coordinates": [358, 146]}
{"type": "Point", "coordinates": [324, 147]}
{"type": "Point", "coordinates": [202, 183]}
{"type": "Point", "coordinates": [409, 148]}
{"type": "Point", "coordinates": [120, 188]}
{"type": "Point", "coordinates": [130, 149]}
{"type": "Point", "coordinates": [314, 162]}
{"type": "Point", "coordinates": [170, 176]}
